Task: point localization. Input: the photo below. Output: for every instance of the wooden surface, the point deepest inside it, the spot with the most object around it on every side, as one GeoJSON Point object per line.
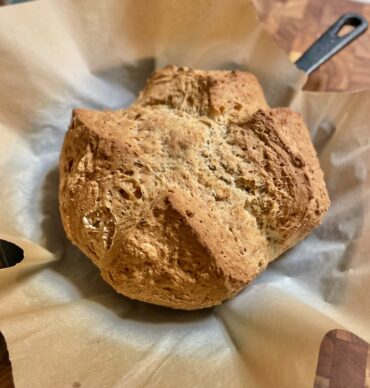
{"type": "Point", "coordinates": [295, 24]}
{"type": "Point", "coordinates": [6, 379]}
{"type": "Point", "coordinates": [344, 361]}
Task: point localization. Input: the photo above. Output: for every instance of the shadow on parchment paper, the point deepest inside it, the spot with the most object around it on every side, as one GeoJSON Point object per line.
{"type": "Point", "coordinates": [334, 280]}
{"type": "Point", "coordinates": [55, 238]}
{"type": "Point", "coordinates": [135, 75]}
{"type": "Point", "coordinates": [86, 279]}
{"type": "Point", "coordinates": [130, 77]}
{"type": "Point", "coordinates": [343, 227]}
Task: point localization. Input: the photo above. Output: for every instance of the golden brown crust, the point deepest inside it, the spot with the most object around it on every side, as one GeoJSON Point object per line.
{"type": "Point", "coordinates": [185, 197]}
{"type": "Point", "coordinates": [220, 95]}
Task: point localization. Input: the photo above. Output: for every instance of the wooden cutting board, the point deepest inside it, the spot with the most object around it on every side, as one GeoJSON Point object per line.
{"type": "Point", "coordinates": [343, 362]}
{"type": "Point", "coordinates": [295, 24]}
{"type": "Point", "coordinates": [6, 379]}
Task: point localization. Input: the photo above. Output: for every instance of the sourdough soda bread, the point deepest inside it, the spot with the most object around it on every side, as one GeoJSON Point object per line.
{"type": "Point", "coordinates": [185, 197]}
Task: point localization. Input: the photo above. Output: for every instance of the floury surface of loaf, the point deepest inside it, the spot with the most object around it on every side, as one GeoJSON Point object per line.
{"type": "Point", "coordinates": [185, 197]}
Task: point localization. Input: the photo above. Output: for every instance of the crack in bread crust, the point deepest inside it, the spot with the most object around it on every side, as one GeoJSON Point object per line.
{"type": "Point", "coordinates": [185, 197]}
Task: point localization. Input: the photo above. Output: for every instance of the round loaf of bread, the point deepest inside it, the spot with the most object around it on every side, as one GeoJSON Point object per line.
{"type": "Point", "coordinates": [185, 197]}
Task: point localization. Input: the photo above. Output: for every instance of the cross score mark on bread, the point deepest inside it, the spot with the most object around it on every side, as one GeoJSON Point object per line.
{"type": "Point", "coordinates": [185, 197]}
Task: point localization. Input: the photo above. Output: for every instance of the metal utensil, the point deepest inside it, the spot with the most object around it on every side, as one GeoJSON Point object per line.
{"type": "Point", "coordinates": [330, 42]}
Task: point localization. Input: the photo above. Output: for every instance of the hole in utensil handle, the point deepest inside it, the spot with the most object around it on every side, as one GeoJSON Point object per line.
{"type": "Point", "coordinates": [332, 41]}
{"type": "Point", "coordinates": [345, 30]}
{"type": "Point", "coordinates": [10, 254]}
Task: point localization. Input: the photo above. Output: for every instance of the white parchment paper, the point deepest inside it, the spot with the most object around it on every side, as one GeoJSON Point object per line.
{"type": "Point", "coordinates": [63, 325]}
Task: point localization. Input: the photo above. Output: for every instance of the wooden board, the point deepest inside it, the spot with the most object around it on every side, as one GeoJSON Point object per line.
{"type": "Point", "coordinates": [344, 361]}
{"type": "Point", "coordinates": [295, 24]}
{"type": "Point", "coordinates": [6, 378]}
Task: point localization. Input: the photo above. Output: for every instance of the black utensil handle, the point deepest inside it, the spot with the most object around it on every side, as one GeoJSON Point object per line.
{"type": "Point", "coordinates": [330, 42]}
